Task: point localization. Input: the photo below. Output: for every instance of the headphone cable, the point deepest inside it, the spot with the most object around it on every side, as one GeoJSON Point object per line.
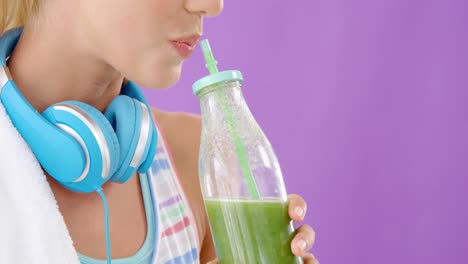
{"type": "Point", "coordinates": [106, 223]}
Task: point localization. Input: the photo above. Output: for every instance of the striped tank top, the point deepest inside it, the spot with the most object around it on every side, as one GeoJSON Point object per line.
{"type": "Point", "coordinates": [168, 216]}
{"type": "Point", "coordinates": [178, 234]}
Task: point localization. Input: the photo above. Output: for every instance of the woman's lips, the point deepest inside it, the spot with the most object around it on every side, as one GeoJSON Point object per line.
{"type": "Point", "coordinates": [185, 46]}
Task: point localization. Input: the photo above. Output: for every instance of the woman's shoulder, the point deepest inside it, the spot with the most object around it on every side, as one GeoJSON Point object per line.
{"type": "Point", "coordinates": [182, 132]}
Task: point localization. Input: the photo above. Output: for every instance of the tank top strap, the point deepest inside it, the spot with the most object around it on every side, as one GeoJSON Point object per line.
{"type": "Point", "coordinates": [178, 241]}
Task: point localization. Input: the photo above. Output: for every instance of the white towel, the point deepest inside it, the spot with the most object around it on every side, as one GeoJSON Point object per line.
{"type": "Point", "coordinates": [32, 229]}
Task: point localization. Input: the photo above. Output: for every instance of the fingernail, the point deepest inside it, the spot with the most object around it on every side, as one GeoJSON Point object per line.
{"type": "Point", "coordinates": [302, 244]}
{"type": "Point", "coordinates": [299, 211]}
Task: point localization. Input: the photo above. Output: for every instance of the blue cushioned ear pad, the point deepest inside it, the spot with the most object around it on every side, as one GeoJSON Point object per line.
{"type": "Point", "coordinates": [152, 148]}
{"type": "Point", "coordinates": [124, 115]}
{"type": "Point", "coordinates": [90, 125]}
{"type": "Point", "coordinates": [132, 90]}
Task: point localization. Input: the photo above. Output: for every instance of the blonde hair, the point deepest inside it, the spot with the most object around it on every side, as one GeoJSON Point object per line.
{"type": "Point", "coordinates": [16, 13]}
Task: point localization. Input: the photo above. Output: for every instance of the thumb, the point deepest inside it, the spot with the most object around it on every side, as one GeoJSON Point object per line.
{"type": "Point", "coordinates": [213, 262]}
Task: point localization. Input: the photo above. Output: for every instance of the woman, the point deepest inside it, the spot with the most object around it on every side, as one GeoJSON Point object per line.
{"type": "Point", "coordinates": [85, 50]}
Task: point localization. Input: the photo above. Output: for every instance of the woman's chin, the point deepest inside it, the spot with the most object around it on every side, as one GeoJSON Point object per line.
{"type": "Point", "coordinates": [165, 79]}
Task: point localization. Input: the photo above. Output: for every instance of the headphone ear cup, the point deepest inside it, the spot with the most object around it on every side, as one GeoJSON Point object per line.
{"type": "Point", "coordinates": [152, 147]}
{"type": "Point", "coordinates": [132, 90]}
{"type": "Point", "coordinates": [125, 118]}
{"type": "Point", "coordinates": [97, 137]}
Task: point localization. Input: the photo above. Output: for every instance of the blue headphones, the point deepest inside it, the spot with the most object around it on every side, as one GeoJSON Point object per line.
{"type": "Point", "coordinates": [74, 142]}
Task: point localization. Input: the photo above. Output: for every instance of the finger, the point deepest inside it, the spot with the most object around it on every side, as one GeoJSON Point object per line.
{"type": "Point", "coordinates": [310, 259]}
{"type": "Point", "coordinates": [303, 241]}
{"type": "Point", "coordinates": [213, 262]}
{"type": "Point", "coordinates": [297, 208]}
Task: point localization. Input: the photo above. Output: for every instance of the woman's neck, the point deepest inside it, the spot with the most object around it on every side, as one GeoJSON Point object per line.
{"type": "Point", "coordinates": [51, 64]}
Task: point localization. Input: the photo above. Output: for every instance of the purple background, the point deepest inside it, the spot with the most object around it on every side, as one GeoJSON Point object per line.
{"type": "Point", "coordinates": [365, 102]}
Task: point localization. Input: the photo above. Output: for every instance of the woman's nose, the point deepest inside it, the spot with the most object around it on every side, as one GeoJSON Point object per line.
{"type": "Point", "coordinates": [208, 8]}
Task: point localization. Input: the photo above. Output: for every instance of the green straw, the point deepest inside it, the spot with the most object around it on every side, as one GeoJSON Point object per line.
{"type": "Point", "coordinates": [232, 128]}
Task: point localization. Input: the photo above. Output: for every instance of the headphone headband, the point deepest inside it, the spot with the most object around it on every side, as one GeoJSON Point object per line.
{"type": "Point", "coordinates": [8, 43]}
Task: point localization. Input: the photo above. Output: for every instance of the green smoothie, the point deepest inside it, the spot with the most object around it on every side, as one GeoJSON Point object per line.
{"type": "Point", "coordinates": [251, 232]}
